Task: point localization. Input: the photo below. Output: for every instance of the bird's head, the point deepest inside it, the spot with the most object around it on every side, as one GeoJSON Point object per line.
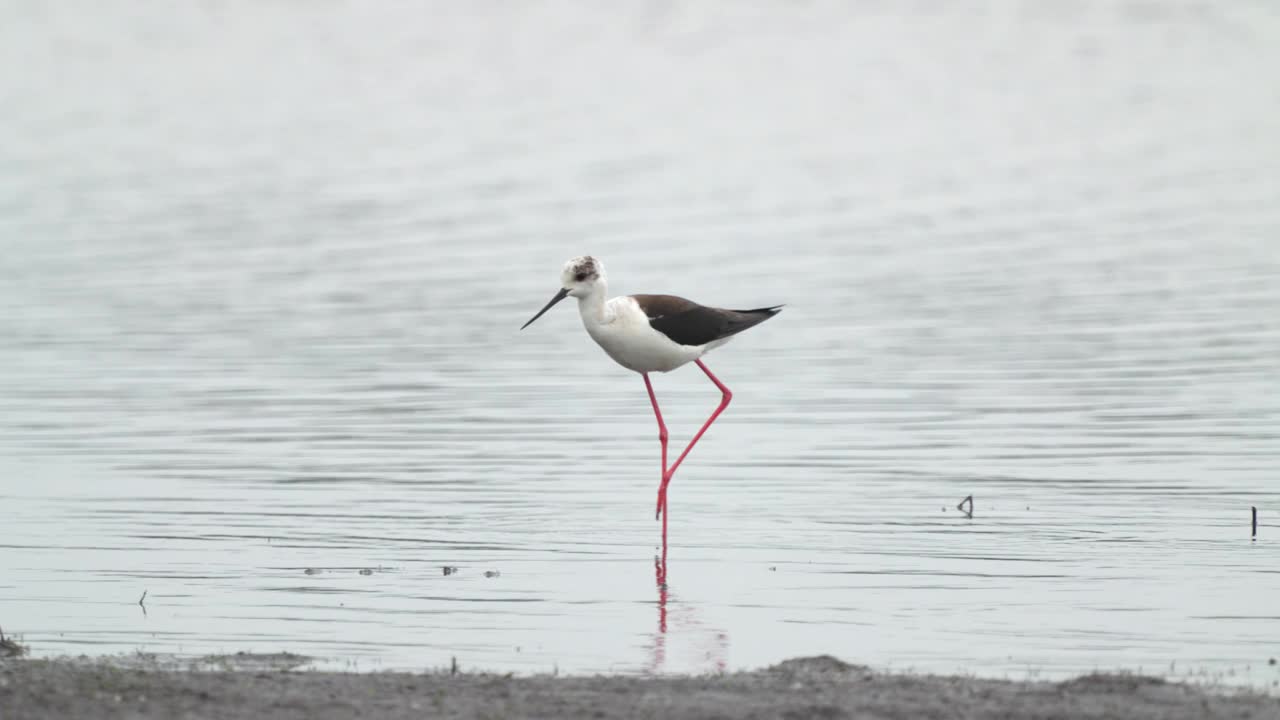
{"type": "Point", "coordinates": [581, 277]}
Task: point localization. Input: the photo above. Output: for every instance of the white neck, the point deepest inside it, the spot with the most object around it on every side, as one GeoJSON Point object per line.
{"type": "Point", "coordinates": [593, 308]}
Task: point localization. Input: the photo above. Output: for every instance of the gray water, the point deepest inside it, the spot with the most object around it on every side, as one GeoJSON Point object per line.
{"type": "Point", "coordinates": [262, 267]}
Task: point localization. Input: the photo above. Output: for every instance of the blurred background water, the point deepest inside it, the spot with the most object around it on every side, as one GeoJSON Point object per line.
{"type": "Point", "coordinates": [262, 266]}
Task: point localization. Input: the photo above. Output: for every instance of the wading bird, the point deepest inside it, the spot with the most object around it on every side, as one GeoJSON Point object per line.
{"type": "Point", "coordinates": [653, 333]}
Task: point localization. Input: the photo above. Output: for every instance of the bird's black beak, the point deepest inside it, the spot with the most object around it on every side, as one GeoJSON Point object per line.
{"type": "Point", "coordinates": [564, 293]}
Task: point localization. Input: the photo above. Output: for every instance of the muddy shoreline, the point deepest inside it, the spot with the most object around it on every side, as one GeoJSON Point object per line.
{"type": "Point", "coordinates": [246, 687]}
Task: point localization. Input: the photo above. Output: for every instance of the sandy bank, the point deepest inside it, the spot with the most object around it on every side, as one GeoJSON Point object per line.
{"type": "Point", "coordinates": [807, 688]}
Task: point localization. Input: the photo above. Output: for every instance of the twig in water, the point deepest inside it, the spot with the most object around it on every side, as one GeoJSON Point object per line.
{"type": "Point", "coordinates": [11, 648]}
{"type": "Point", "coordinates": [968, 513]}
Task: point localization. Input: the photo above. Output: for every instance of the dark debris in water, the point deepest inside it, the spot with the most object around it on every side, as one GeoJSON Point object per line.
{"type": "Point", "coordinates": [491, 573]}
{"type": "Point", "coordinates": [11, 648]}
{"type": "Point", "coordinates": [360, 570]}
{"type": "Point", "coordinates": [450, 569]}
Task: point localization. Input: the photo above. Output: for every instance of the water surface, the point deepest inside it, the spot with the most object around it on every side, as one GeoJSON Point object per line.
{"type": "Point", "coordinates": [262, 269]}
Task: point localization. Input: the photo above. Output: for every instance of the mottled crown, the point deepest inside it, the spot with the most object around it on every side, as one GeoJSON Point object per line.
{"type": "Point", "coordinates": [583, 269]}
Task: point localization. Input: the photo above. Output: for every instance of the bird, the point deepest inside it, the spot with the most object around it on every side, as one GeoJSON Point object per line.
{"type": "Point", "coordinates": [653, 333]}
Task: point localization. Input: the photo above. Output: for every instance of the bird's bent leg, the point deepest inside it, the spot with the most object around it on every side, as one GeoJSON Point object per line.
{"type": "Point", "coordinates": [726, 396]}
{"type": "Point", "coordinates": [662, 437]}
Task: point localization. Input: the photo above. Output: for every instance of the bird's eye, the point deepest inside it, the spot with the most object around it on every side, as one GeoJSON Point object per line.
{"type": "Point", "coordinates": [580, 277]}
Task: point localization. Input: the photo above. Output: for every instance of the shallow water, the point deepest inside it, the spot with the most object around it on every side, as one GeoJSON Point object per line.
{"type": "Point", "coordinates": [261, 270]}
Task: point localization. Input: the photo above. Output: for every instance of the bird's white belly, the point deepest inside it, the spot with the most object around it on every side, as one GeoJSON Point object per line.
{"type": "Point", "coordinates": [641, 348]}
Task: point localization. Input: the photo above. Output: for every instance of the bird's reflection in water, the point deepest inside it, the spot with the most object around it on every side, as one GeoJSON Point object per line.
{"type": "Point", "coordinates": [660, 639]}
{"type": "Point", "coordinates": [715, 651]}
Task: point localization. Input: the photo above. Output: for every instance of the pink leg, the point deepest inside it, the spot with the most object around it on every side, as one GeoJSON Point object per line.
{"type": "Point", "coordinates": [726, 396]}
{"type": "Point", "coordinates": [662, 435]}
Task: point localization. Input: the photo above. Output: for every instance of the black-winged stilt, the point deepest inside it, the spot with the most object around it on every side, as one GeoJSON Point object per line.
{"type": "Point", "coordinates": [653, 333]}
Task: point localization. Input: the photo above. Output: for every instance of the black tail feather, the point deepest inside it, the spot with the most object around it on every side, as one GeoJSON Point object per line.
{"type": "Point", "coordinates": [771, 311]}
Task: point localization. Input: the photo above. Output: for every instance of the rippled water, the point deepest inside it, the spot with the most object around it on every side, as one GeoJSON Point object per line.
{"type": "Point", "coordinates": [261, 270]}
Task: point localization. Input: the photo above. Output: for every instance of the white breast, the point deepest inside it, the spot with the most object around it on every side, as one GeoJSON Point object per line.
{"type": "Point", "coordinates": [627, 337]}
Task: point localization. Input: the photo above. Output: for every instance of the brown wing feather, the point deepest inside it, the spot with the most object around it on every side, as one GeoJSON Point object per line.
{"type": "Point", "coordinates": [688, 323]}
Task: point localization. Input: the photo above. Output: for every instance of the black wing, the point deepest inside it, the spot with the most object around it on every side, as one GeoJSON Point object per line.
{"type": "Point", "coordinates": [688, 323]}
